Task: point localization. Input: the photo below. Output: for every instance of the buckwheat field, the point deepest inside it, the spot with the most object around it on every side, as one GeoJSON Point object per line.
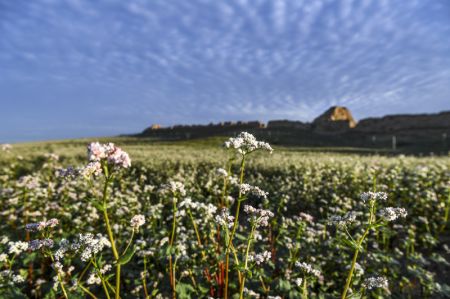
{"type": "Point", "coordinates": [242, 220]}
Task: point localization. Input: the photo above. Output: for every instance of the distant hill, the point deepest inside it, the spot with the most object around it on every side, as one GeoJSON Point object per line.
{"type": "Point", "coordinates": [335, 127]}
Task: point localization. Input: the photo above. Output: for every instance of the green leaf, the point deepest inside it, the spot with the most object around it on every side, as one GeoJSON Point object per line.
{"type": "Point", "coordinates": [184, 290]}
{"type": "Point", "coordinates": [98, 205]}
{"type": "Point", "coordinates": [284, 285]}
{"type": "Point", "coordinates": [240, 237]}
{"type": "Point", "coordinates": [124, 259]}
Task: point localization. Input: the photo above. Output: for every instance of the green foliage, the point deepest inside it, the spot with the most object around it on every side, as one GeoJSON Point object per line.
{"type": "Point", "coordinates": [412, 253]}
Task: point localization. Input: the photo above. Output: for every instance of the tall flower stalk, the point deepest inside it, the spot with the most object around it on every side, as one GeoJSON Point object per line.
{"type": "Point", "coordinates": [386, 215]}
{"type": "Point", "coordinates": [176, 190]}
{"type": "Point", "coordinates": [105, 159]}
{"type": "Point", "coordinates": [244, 144]}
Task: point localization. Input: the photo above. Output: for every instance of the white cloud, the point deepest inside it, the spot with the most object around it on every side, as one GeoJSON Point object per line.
{"type": "Point", "coordinates": [231, 59]}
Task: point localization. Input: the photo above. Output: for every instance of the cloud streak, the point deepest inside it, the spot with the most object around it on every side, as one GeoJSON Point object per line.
{"type": "Point", "coordinates": [126, 64]}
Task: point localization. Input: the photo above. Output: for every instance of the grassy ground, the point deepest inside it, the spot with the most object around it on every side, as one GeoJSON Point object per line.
{"type": "Point", "coordinates": [322, 182]}
{"type": "Point", "coordinates": [150, 151]}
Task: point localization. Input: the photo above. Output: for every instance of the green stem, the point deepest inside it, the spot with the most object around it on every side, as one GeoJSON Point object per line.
{"type": "Point", "coordinates": [174, 223]}
{"type": "Point", "coordinates": [129, 242]}
{"type": "Point", "coordinates": [83, 272]}
{"type": "Point", "coordinates": [105, 289]}
{"type": "Point", "coordinates": [355, 255]}
{"type": "Point", "coordinates": [87, 291]}
{"type": "Point", "coordinates": [61, 283]}
{"type": "Point", "coordinates": [363, 292]}
{"type": "Point", "coordinates": [110, 233]}
{"type": "Point", "coordinates": [174, 294]}
{"type": "Point", "coordinates": [304, 288]}
{"type": "Point", "coordinates": [199, 241]}
{"type": "Point", "coordinates": [117, 281]}
{"type": "Point", "coordinates": [172, 239]}
{"type": "Point", "coordinates": [446, 213]}
{"type": "Point", "coordinates": [249, 242]}
{"type": "Point", "coordinates": [235, 224]}
{"type": "Point", "coordinates": [144, 281]}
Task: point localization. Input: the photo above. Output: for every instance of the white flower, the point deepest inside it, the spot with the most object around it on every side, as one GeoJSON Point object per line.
{"type": "Point", "coordinates": [18, 279]}
{"type": "Point", "coordinates": [69, 172]}
{"type": "Point", "coordinates": [17, 247]}
{"type": "Point", "coordinates": [97, 151]}
{"type": "Point", "coordinates": [260, 258]}
{"type": "Point", "coordinates": [248, 189]}
{"type": "Point", "coordinates": [38, 244]}
{"type": "Point", "coordinates": [106, 268]}
{"type": "Point", "coordinates": [341, 221]}
{"type": "Point", "coordinates": [93, 279]}
{"type": "Point", "coordinates": [391, 214]}
{"type": "Point", "coordinates": [224, 219]}
{"type": "Point", "coordinates": [375, 282]}
{"type": "Point", "coordinates": [93, 168]}
{"type": "Point", "coordinates": [306, 217]}
{"type": "Point", "coordinates": [251, 294]}
{"type": "Point", "coordinates": [307, 268]}
{"type": "Point", "coordinates": [6, 147]}
{"type": "Point", "coordinates": [298, 282]}
{"type": "Point", "coordinates": [34, 227]}
{"type": "Point", "coordinates": [222, 172]}
{"type": "Point", "coordinates": [246, 143]}
{"type": "Point", "coordinates": [137, 221]}
{"type": "Point", "coordinates": [119, 158]}
{"type": "Point", "coordinates": [112, 154]}
{"type": "Point", "coordinates": [38, 226]}
{"type": "Point", "coordinates": [373, 196]}
{"type": "Point", "coordinates": [174, 187]}
{"type": "Point", "coordinates": [258, 216]}
{"type": "Point", "coordinates": [3, 257]}
{"type": "Point", "coordinates": [28, 181]}
{"type": "Point", "coordinates": [90, 245]}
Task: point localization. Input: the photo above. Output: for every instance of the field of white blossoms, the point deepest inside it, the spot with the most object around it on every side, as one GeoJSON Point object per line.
{"type": "Point", "coordinates": [232, 222]}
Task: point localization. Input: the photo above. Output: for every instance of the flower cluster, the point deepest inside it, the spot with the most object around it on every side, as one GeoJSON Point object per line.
{"type": "Point", "coordinates": [38, 244]}
{"type": "Point", "coordinates": [260, 258]}
{"type": "Point", "coordinates": [112, 154]}
{"type": "Point", "coordinates": [93, 279]}
{"type": "Point", "coordinates": [92, 168]}
{"type": "Point", "coordinates": [246, 143]}
{"type": "Point", "coordinates": [90, 245]}
{"type": "Point", "coordinates": [17, 247]}
{"type": "Point", "coordinates": [341, 221]}
{"type": "Point", "coordinates": [307, 268]}
{"type": "Point", "coordinates": [306, 217]}
{"type": "Point", "coordinates": [97, 153]}
{"type": "Point", "coordinates": [137, 221]}
{"type": "Point", "coordinates": [225, 219]}
{"type": "Point", "coordinates": [208, 209]}
{"type": "Point", "coordinates": [256, 191]}
{"type": "Point", "coordinates": [259, 217]}
{"type": "Point", "coordinates": [28, 182]}
{"type": "Point", "coordinates": [6, 147]}
{"type": "Point", "coordinates": [222, 172]}
{"type": "Point", "coordinates": [373, 196]}
{"type": "Point", "coordinates": [376, 282]}
{"type": "Point", "coordinates": [3, 257]}
{"type": "Point", "coordinates": [174, 187]}
{"type": "Point", "coordinates": [391, 214]}
{"type": "Point", "coordinates": [38, 226]}
{"type": "Point", "coordinates": [69, 172]}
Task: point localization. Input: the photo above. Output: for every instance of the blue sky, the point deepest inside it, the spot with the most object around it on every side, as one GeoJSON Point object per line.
{"type": "Point", "coordinates": [94, 68]}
